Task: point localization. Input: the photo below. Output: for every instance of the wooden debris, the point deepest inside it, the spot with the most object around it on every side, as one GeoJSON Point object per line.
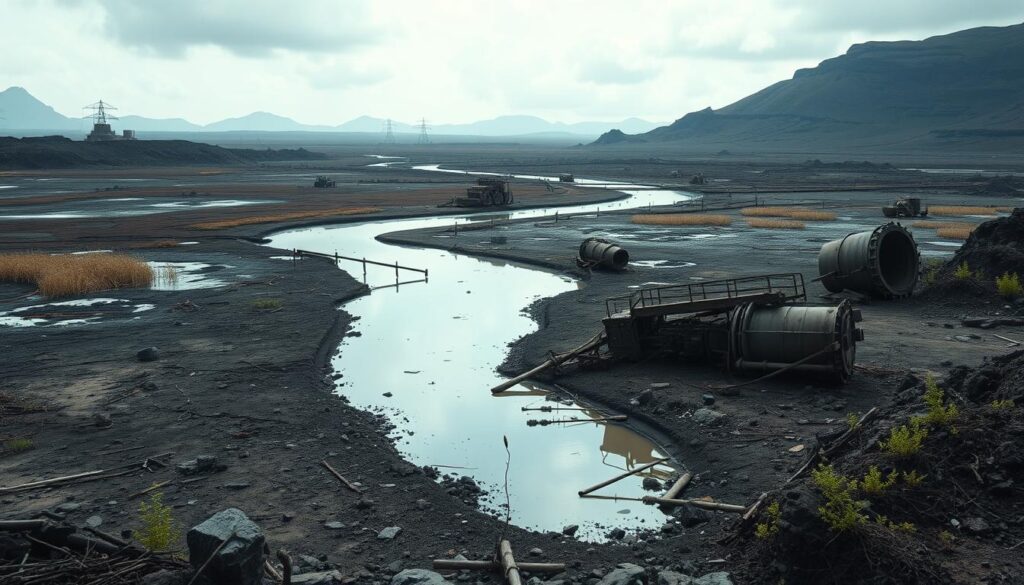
{"type": "Point", "coordinates": [155, 486]}
{"type": "Point", "coordinates": [555, 360]}
{"type": "Point", "coordinates": [543, 422]}
{"type": "Point", "coordinates": [736, 509]}
{"type": "Point", "coordinates": [678, 487]}
{"type": "Point", "coordinates": [341, 478]}
{"type": "Point", "coordinates": [633, 471]}
{"type": "Point", "coordinates": [508, 564]}
{"type": "Point", "coordinates": [453, 565]}
{"type": "Point", "coordinates": [1012, 342]}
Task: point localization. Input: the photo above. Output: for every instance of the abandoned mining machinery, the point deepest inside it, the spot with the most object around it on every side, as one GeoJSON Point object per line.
{"type": "Point", "coordinates": [906, 207]}
{"type": "Point", "coordinates": [487, 192]}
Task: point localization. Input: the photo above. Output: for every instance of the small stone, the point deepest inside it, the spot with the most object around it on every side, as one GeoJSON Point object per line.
{"type": "Point", "coordinates": [388, 395]}
{"type": "Point", "coordinates": [660, 385]}
{"type": "Point", "coordinates": [418, 577]}
{"type": "Point", "coordinates": [102, 420]}
{"type": "Point", "coordinates": [389, 533]}
{"type": "Point", "coordinates": [334, 525]}
{"type": "Point", "coordinates": [287, 516]}
{"type": "Point", "coordinates": [536, 552]}
{"type": "Point", "coordinates": [646, 397]}
{"type": "Point", "coordinates": [239, 485]}
{"type": "Point", "coordinates": [570, 530]}
{"type": "Point", "coordinates": [93, 521]}
{"type": "Point", "coordinates": [149, 354]}
{"type": "Point", "coordinates": [68, 507]}
{"type": "Point", "coordinates": [318, 578]}
{"type": "Point", "coordinates": [652, 484]}
{"type": "Point", "coordinates": [709, 399]}
{"type": "Point", "coordinates": [706, 416]}
{"type": "Point", "coordinates": [976, 525]}
{"type": "Point", "coordinates": [624, 574]}
{"type": "Point", "coordinates": [229, 546]}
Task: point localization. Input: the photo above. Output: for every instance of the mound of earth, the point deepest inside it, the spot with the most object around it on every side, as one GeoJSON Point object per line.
{"type": "Point", "coordinates": [1005, 185]}
{"type": "Point", "coordinates": [58, 152]}
{"type": "Point", "coordinates": [997, 246]}
{"type": "Point", "coordinates": [953, 524]}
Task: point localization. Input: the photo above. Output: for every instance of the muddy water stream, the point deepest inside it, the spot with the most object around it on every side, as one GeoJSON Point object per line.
{"type": "Point", "coordinates": [425, 355]}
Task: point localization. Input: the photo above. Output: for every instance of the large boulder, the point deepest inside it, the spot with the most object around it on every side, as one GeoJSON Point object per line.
{"type": "Point", "coordinates": [242, 548]}
{"type": "Point", "coordinates": [418, 577]}
{"type": "Point", "coordinates": [624, 574]}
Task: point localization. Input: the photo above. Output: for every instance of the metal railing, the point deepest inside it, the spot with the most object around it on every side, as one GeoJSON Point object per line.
{"type": "Point", "coordinates": [790, 285]}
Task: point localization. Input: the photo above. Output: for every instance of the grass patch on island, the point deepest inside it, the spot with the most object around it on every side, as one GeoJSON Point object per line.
{"type": "Point", "coordinates": [798, 213]}
{"type": "Point", "coordinates": [287, 216]}
{"type": "Point", "coordinates": [682, 219]}
{"type": "Point", "coordinates": [64, 275]}
{"type": "Point", "coordinates": [780, 224]}
{"type": "Point", "coordinates": [955, 233]}
{"type": "Point", "coordinates": [967, 210]}
{"type": "Point", "coordinates": [934, 225]}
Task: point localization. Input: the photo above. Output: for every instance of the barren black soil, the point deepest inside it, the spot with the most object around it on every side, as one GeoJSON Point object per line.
{"type": "Point", "coordinates": [250, 387]}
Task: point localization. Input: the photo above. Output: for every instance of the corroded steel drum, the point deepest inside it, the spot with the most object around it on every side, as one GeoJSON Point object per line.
{"type": "Point", "coordinates": [883, 262]}
{"type": "Point", "coordinates": [604, 253]}
{"type": "Point", "coordinates": [819, 339]}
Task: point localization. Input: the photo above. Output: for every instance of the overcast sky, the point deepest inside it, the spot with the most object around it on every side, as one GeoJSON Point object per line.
{"type": "Point", "coordinates": [328, 61]}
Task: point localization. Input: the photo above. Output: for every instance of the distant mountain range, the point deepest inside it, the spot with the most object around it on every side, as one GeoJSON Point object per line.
{"type": "Point", "coordinates": [19, 110]}
{"type": "Point", "coordinates": [960, 90]}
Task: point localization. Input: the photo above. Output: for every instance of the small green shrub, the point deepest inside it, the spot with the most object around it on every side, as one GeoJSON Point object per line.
{"type": "Point", "coordinates": [1008, 285]}
{"type": "Point", "coordinates": [931, 271]}
{"type": "Point", "coordinates": [159, 531]}
{"type": "Point", "coordinates": [907, 527]}
{"type": "Point", "coordinates": [938, 413]}
{"type": "Point", "coordinates": [18, 445]}
{"type": "Point", "coordinates": [770, 527]}
{"type": "Point", "coordinates": [841, 511]}
{"type": "Point", "coordinates": [1002, 404]}
{"type": "Point", "coordinates": [963, 272]}
{"type": "Point", "coordinates": [267, 304]}
{"type": "Point", "coordinates": [913, 478]}
{"type": "Point", "coordinates": [852, 419]}
{"type": "Point", "coordinates": [905, 441]}
{"type": "Point", "coordinates": [874, 484]}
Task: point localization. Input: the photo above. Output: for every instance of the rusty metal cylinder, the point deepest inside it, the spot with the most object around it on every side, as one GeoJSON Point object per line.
{"type": "Point", "coordinates": [883, 262]}
{"type": "Point", "coordinates": [604, 253]}
{"type": "Point", "coordinates": [820, 339]}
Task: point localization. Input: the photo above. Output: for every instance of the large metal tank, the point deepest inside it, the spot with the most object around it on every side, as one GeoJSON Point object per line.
{"type": "Point", "coordinates": [604, 253]}
{"type": "Point", "coordinates": [823, 339]}
{"type": "Point", "coordinates": [883, 262]}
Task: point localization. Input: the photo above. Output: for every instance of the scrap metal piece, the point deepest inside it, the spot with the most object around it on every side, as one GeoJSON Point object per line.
{"type": "Point", "coordinates": [604, 253]}
{"type": "Point", "coordinates": [883, 262]}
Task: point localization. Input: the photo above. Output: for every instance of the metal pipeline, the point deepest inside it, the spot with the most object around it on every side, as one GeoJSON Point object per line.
{"type": "Point", "coordinates": [798, 337]}
{"type": "Point", "coordinates": [604, 253]}
{"type": "Point", "coordinates": [883, 262]}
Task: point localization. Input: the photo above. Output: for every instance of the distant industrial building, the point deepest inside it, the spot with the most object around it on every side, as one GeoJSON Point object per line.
{"type": "Point", "coordinates": [101, 129]}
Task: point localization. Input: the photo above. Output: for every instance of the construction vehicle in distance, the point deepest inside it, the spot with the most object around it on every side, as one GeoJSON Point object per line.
{"type": "Point", "coordinates": [322, 182]}
{"type": "Point", "coordinates": [906, 207]}
{"type": "Point", "coordinates": [566, 178]}
{"type": "Point", "coordinates": [488, 192]}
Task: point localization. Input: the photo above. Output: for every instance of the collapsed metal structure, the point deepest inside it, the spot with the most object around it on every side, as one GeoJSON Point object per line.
{"type": "Point", "coordinates": [883, 262]}
{"type": "Point", "coordinates": [754, 323]}
{"type": "Point", "coordinates": [488, 192]}
{"type": "Point", "coordinates": [906, 207]}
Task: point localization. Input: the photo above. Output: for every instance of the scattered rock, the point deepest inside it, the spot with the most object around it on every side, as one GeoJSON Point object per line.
{"type": "Point", "coordinates": [617, 534]}
{"type": "Point", "coordinates": [652, 484]}
{"type": "Point", "coordinates": [690, 516]}
{"type": "Point", "coordinates": [68, 507]}
{"type": "Point", "coordinates": [334, 525]}
{"type": "Point", "coordinates": [706, 416]}
{"type": "Point", "coordinates": [570, 530]}
{"type": "Point", "coordinates": [708, 399]}
{"type": "Point", "coordinates": [673, 578]}
{"type": "Point", "coordinates": [319, 578]}
{"type": "Point", "coordinates": [238, 485]}
{"type": "Point", "coordinates": [201, 464]}
{"type": "Point", "coordinates": [166, 577]}
{"type": "Point", "coordinates": [149, 354]}
{"type": "Point", "coordinates": [976, 525]}
{"type": "Point", "coordinates": [389, 533]}
{"type": "Point", "coordinates": [239, 561]}
{"type": "Point", "coordinates": [646, 397]}
{"type": "Point", "coordinates": [536, 552]}
{"type": "Point", "coordinates": [94, 521]}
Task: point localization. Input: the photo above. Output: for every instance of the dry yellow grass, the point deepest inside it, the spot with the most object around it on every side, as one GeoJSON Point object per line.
{"type": "Point", "coordinates": [967, 210]}
{"type": "Point", "coordinates": [682, 219]}
{"type": "Point", "coordinates": [784, 224]}
{"type": "Point", "coordinates": [273, 217]}
{"type": "Point", "coordinates": [934, 225]}
{"type": "Point", "coordinates": [954, 233]}
{"type": "Point", "coordinates": [801, 213]}
{"type": "Point", "coordinates": [75, 274]}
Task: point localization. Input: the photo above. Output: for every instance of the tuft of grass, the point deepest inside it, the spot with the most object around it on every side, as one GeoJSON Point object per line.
{"type": "Point", "coordinates": [938, 413]}
{"type": "Point", "coordinates": [770, 527]}
{"type": "Point", "coordinates": [1002, 404]}
{"type": "Point", "coordinates": [954, 233]}
{"type": "Point", "coordinates": [874, 484]}
{"type": "Point", "coordinates": [275, 217]}
{"type": "Point", "coordinates": [18, 445]}
{"type": "Point", "coordinates": [905, 441]}
{"type": "Point", "coordinates": [782, 224]}
{"type": "Point", "coordinates": [841, 510]}
{"type": "Point", "coordinates": [167, 275]}
{"type": "Point", "coordinates": [963, 272]}
{"type": "Point", "coordinates": [966, 210]}
{"type": "Point", "coordinates": [913, 478]}
{"type": "Point", "coordinates": [267, 304]}
{"type": "Point", "coordinates": [65, 275]}
{"type": "Point", "coordinates": [682, 219]}
{"type": "Point", "coordinates": [159, 533]}
{"type": "Point", "coordinates": [801, 213]}
{"type": "Point", "coordinates": [1008, 285]}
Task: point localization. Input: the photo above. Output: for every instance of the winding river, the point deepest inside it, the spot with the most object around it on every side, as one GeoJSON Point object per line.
{"type": "Point", "coordinates": [425, 355]}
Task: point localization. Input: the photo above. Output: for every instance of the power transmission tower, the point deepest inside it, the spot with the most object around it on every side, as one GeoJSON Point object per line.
{"type": "Point", "coordinates": [99, 112]}
{"type": "Point", "coordinates": [389, 132]}
{"type": "Point", "coordinates": [424, 138]}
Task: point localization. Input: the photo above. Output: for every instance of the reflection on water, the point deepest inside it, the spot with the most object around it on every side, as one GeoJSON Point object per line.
{"type": "Point", "coordinates": [434, 347]}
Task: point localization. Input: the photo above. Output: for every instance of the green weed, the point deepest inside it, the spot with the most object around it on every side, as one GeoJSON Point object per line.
{"type": "Point", "coordinates": [841, 511]}
{"type": "Point", "coordinates": [905, 441]}
{"type": "Point", "coordinates": [963, 272]}
{"type": "Point", "coordinates": [1008, 285]}
{"type": "Point", "coordinates": [159, 531]}
{"type": "Point", "coordinates": [938, 413]}
{"type": "Point", "coordinates": [874, 484]}
{"type": "Point", "coordinates": [18, 445]}
{"type": "Point", "coordinates": [770, 527]}
{"type": "Point", "coordinates": [1002, 404]}
{"type": "Point", "coordinates": [267, 304]}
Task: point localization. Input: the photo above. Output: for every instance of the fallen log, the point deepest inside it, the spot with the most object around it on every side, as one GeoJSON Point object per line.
{"type": "Point", "coordinates": [454, 565]}
{"type": "Point", "coordinates": [734, 508]}
{"type": "Point", "coordinates": [508, 564]}
{"type": "Point", "coordinates": [633, 471]}
{"type": "Point", "coordinates": [678, 486]}
{"type": "Point", "coordinates": [341, 478]}
{"type": "Point", "coordinates": [556, 360]}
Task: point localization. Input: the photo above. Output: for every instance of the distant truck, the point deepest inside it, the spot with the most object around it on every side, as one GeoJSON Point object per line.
{"type": "Point", "coordinates": [566, 178]}
{"type": "Point", "coordinates": [488, 192]}
{"type": "Point", "coordinates": [906, 207]}
{"type": "Point", "coordinates": [323, 182]}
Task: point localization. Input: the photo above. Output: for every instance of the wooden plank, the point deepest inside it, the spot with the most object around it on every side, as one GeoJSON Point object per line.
{"type": "Point", "coordinates": [678, 486]}
{"type": "Point", "coordinates": [453, 565]}
{"type": "Point", "coordinates": [696, 503]}
{"type": "Point", "coordinates": [508, 564]}
{"type": "Point", "coordinates": [633, 471]}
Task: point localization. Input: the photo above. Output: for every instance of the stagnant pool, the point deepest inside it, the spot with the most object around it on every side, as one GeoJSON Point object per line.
{"type": "Point", "coordinates": [425, 355]}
